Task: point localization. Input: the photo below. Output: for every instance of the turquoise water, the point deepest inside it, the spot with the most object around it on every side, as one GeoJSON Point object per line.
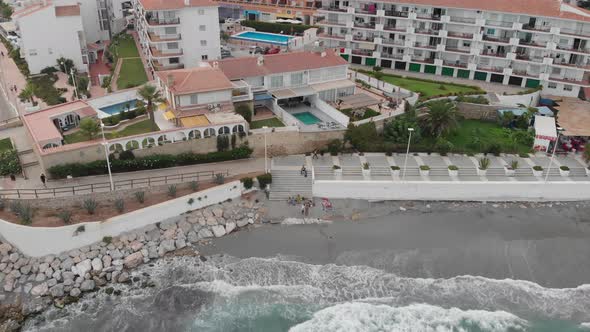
{"type": "Point", "coordinates": [270, 38]}
{"type": "Point", "coordinates": [118, 108]}
{"type": "Point", "coordinates": [307, 118]}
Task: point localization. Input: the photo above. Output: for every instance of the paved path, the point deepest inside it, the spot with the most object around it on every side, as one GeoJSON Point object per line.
{"type": "Point", "coordinates": [234, 167]}
{"type": "Point", "coordinates": [489, 87]}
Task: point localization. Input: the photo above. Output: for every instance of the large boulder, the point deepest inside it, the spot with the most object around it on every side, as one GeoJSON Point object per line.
{"type": "Point", "coordinates": [87, 285]}
{"type": "Point", "coordinates": [136, 245]}
{"type": "Point", "coordinates": [40, 290]}
{"type": "Point", "coordinates": [82, 268]}
{"type": "Point", "coordinates": [133, 260]}
{"type": "Point", "coordinates": [57, 290]}
{"type": "Point", "coordinates": [229, 227]}
{"type": "Point", "coordinates": [97, 264]}
{"type": "Point", "coordinates": [218, 231]}
{"type": "Point", "coordinates": [167, 246]}
{"type": "Point", "coordinates": [205, 233]}
{"type": "Point", "coordinates": [5, 248]}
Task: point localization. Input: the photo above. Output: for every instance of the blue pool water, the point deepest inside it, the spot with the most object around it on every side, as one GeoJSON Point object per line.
{"type": "Point", "coordinates": [271, 38]}
{"type": "Point", "coordinates": [118, 108]}
{"type": "Point", "coordinates": [307, 118]}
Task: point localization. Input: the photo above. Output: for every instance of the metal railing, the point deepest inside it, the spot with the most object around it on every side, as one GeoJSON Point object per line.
{"type": "Point", "coordinates": [201, 176]}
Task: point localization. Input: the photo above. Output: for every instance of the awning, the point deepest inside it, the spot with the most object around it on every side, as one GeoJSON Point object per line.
{"type": "Point", "coordinates": [293, 92]}
{"type": "Point", "coordinates": [341, 84]}
{"type": "Point", "coordinates": [545, 128]}
{"type": "Point", "coordinates": [367, 46]}
{"type": "Point", "coordinates": [262, 96]}
{"type": "Point", "coordinates": [169, 115]}
{"type": "Point", "coordinates": [194, 121]}
{"type": "Point", "coordinates": [285, 15]}
{"type": "Point", "coordinates": [573, 115]}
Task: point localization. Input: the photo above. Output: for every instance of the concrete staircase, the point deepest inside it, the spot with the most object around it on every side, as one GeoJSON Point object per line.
{"type": "Point", "coordinates": [323, 173]}
{"type": "Point", "coordinates": [352, 173]}
{"type": "Point", "coordinates": [577, 172]}
{"type": "Point", "coordinates": [380, 173]}
{"type": "Point", "coordinates": [438, 171]}
{"type": "Point", "coordinates": [289, 182]}
{"type": "Point", "coordinates": [495, 171]}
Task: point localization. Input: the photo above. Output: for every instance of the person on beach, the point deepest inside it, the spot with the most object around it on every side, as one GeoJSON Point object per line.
{"type": "Point", "coordinates": [43, 179]}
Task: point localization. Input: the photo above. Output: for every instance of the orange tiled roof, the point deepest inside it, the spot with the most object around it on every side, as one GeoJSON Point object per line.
{"type": "Point", "coordinates": [191, 80]}
{"type": "Point", "coordinates": [71, 10]}
{"type": "Point", "coordinates": [40, 123]}
{"type": "Point", "coordinates": [238, 68]}
{"type": "Point", "coordinates": [174, 4]}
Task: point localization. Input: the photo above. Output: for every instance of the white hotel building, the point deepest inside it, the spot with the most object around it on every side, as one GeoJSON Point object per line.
{"type": "Point", "coordinates": [178, 33]}
{"type": "Point", "coordinates": [513, 42]}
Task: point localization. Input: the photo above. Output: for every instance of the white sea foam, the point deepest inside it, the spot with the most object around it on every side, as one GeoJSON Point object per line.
{"type": "Point", "coordinates": [358, 316]}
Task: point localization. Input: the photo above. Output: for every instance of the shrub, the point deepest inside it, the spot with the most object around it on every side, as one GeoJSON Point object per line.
{"type": "Point", "coordinates": [222, 143]}
{"type": "Point", "coordinates": [126, 155]}
{"type": "Point", "coordinates": [472, 99]}
{"type": "Point", "coordinates": [191, 201]}
{"type": "Point", "coordinates": [537, 168]}
{"type": "Point", "coordinates": [264, 180]}
{"type": "Point", "coordinates": [395, 168]}
{"type": "Point", "coordinates": [424, 167]}
{"type": "Point", "coordinates": [494, 148]}
{"type": "Point", "coordinates": [523, 155]}
{"type": "Point", "coordinates": [26, 214]}
{"type": "Point", "coordinates": [194, 185]}
{"type": "Point", "coordinates": [564, 168]}
{"type": "Point", "coordinates": [335, 146]}
{"type": "Point", "coordinates": [248, 182]}
{"type": "Point", "coordinates": [140, 196]}
{"type": "Point", "coordinates": [453, 168]}
{"type": "Point", "coordinates": [366, 165]}
{"type": "Point", "coordinates": [90, 205]}
{"type": "Point", "coordinates": [2, 204]}
{"type": "Point", "coordinates": [16, 207]}
{"type": "Point", "coordinates": [443, 146]}
{"type": "Point", "coordinates": [336, 167]}
{"type": "Point", "coordinates": [233, 141]}
{"type": "Point", "coordinates": [9, 163]}
{"type": "Point", "coordinates": [120, 205]}
{"type": "Point", "coordinates": [219, 178]}
{"type": "Point", "coordinates": [65, 216]}
{"type": "Point", "coordinates": [514, 164]}
{"type": "Point", "coordinates": [245, 111]}
{"type": "Point", "coordinates": [107, 239]}
{"type": "Point", "coordinates": [172, 190]}
{"type": "Point", "coordinates": [484, 163]}
{"type": "Point", "coordinates": [81, 229]}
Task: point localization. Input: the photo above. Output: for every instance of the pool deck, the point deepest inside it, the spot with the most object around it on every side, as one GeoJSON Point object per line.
{"type": "Point", "coordinates": [302, 108]}
{"type": "Point", "coordinates": [262, 40]}
{"type": "Point", "coordinates": [112, 99]}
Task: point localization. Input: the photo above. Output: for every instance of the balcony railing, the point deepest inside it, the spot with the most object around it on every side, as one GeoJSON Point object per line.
{"type": "Point", "coordinates": [330, 22]}
{"type": "Point", "coordinates": [566, 79]}
{"type": "Point", "coordinates": [469, 20]}
{"type": "Point", "coordinates": [364, 25]}
{"type": "Point", "coordinates": [531, 43]}
{"type": "Point", "coordinates": [428, 17]}
{"type": "Point", "coordinates": [457, 63]}
{"type": "Point", "coordinates": [165, 53]}
{"type": "Point", "coordinates": [571, 49]}
{"type": "Point", "coordinates": [523, 72]}
{"type": "Point", "coordinates": [499, 24]}
{"type": "Point", "coordinates": [326, 35]}
{"type": "Point", "coordinates": [366, 11]}
{"type": "Point", "coordinates": [159, 66]}
{"type": "Point", "coordinates": [394, 28]}
{"type": "Point", "coordinates": [571, 32]}
{"type": "Point", "coordinates": [520, 56]}
{"type": "Point", "coordinates": [394, 13]}
{"type": "Point", "coordinates": [363, 38]}
{"type": "Point", "coordinates": [495, 54]}
{"type": "Point", "coordinates": [427, 32]}
{"type": "Point", "coordinates": [455, 49]}
{"type": "Point", "coordinates": [162, 21]}
{"type": "Point", "coordinates": [392, 56]}
{"type": "Point", "coordinates": [163, 38]}
{"type": "Point", "coordinates": [334, 9]}
{"type": "Point", "coordinates": [421, 45]}
{"type": "Point", "coordinates": [536, 28]}
{"type": "Point", "coordinates": [503, 40]}
{"type": "Point", "coordinates": [393, 42]}
{"type": "Point", "coordinates": [491, 68]}
{"type": "Point", "coordinates": [422, 60]}
{"type": "Point", "coordinates": [362, 52]}
{"type": "Point", "coordinates": [460, 35]}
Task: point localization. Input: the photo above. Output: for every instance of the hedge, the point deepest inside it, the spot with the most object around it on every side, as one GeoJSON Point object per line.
{"type": "Point", "coordinates": [156, 161]}
{"type": "Point", "coordinates": [264, 180]}
{"type": "Point", "coordinates": [285, 28]}
{"type": "Point", "coordinates": [9, 163]}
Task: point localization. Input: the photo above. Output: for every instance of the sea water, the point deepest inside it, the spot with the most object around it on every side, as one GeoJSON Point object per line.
{"type": "Point", "coordinates": [282, 294]}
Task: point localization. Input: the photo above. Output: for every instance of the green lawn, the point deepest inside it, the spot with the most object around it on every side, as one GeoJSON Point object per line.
{"type": "Point", "coordinates": [124, 47]}
{"type": "Point", "coordinates": [428, 89]}
{"type": "Point", "coordinates": [132, 74]}
{"type": "Point", "coordinates": [5, 144]}
{"type": "Point", "coordinates": [134, 129]}
{"type": "Point", "coordinates": [487, 132]}
{"type": "Point", "coordinates": [272, 122]}
{"type": "Point", "coordinates": [356, 116]}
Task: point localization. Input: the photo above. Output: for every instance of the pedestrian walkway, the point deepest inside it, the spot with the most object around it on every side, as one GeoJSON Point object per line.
{"type": "Point", "coordinates": [10, 76]}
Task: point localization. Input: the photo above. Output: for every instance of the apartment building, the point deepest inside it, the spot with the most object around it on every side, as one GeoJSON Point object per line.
{"type": "Point", "coordinates": [269, 10]}
{"type": "Point", "coordinates": [178, 33]}
{"type": "Point", "coordinates": [519, 42]}
{"type": "Point", "coordinates": [62, 35]}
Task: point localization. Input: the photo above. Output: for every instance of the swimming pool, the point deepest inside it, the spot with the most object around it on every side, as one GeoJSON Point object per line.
{"type": "Point", "coordinates": [270, 38]}
{"type": "Point", "coordinates": [307, 118]}
{"type": "Point", "coordinates": [119, 107]}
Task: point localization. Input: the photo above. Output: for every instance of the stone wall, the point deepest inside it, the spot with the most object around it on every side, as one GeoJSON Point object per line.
{"type": "Point", "coordinates": [479, 111]}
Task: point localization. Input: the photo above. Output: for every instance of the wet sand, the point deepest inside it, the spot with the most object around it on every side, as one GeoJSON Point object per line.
{"type": "Point", "coordinates": [545, 243]}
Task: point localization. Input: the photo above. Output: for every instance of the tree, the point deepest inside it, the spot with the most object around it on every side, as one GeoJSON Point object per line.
{"type": "Point", "coordinates": [363, 137]}
{"type": "Point", "coordinates": [65, 65]}
{"type": "Point", "coordinates": [28, 93]}
{"type": "Point", "coordinates": [441, 117]}
{"type": "Point", "coordinates": [245, 112]}
{"type": "Point", "coordinates": [89, 127]}
{"type": "Point", "coordinates": [396, 131]}
{"type": "Point", "coordinates": [151, 95]}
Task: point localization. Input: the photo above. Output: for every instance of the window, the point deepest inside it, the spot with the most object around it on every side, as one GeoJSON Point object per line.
{"type": "Point", "coordinates": [491, 32]}
{"type": "Point", "coordinates": [194, 99]}
{"type": "Point", "coordinates": [552, 86]}
{"type": "Point", "coordinates": [202, 27]}
{"type": "Point", "coordinates": [172, 46]}
{"type": "Point", "coordinates": [466, 44]}
{"type": "Point", "coordinates": [174, 60]}
{"type": "Point", "coordinates": [297, 79]}
{"type": "Point", "coordinates": [204, 57]}
{"type": "Point", "coordinates": [203, 43]}
{"type": "Point", "coordinates": [555, 71]}
{"type": "Point", "coordinates": [32, 52]}
{"type": "Point", "coordinates": [170, 31]}
{"type": "Point", "coordinates": [568, 87]}
{"type": "Point", "coordinates": [201, 11]}
{"type": "Point", "coordinates": [276, 81]}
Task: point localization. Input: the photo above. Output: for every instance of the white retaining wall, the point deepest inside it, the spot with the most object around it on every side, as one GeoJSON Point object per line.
{"type": "Point", "coordinates": [329, 110]}
{"type": "Point", "coordinates": [384, 86]}
{"type": "Point", "coordinates": [40, 241]}
{"type": "Point", "coordinates": [531, 99]}
{"type": "Point", "coordinates": [453, 191]}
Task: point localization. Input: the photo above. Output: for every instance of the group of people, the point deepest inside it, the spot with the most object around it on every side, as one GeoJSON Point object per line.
{"type": "Point", "coordinates": [305, 203]}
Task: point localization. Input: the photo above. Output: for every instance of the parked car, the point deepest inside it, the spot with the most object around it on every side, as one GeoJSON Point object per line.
{"type": "Point", "coordinates": [256, 50]}
{"type": "Point", "coordinates": [225, 54]}
{"type": "Point", "coordinates": [274, 50]}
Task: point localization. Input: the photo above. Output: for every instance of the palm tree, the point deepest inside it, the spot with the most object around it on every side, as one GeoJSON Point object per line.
{"type": "Point", "coordinates": [441, 117]}
{"type": "Point", "coordinates": [28, 93]}
{"type": "Point", "coordinates": [151, 95]}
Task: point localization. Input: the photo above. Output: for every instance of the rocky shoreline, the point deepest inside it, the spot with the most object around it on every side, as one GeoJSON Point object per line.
{"type": "Point", "coordinates": [33, 283]}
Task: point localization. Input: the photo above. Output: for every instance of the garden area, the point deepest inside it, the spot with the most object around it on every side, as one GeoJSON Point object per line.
{"type": "Point", "coordinates": [360, 113]}
{"type": "Point", "coordinates": [438, 127]}
{"type": "Point", "coordinates": [426, 88]}
{"type": "Point", "coordinates": [5, 144]}
{"type": "Point", "coordinates": [271, 123]}
{"type": "Point", "coordinates": [9, 162]}
{"type": "Point", "coordinates": [132, 72]}
{"type": "Point", "coordinates": [86, 134]}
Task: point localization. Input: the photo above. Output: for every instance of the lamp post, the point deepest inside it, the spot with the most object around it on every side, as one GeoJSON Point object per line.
{"type": "Point", "coordinates": [559, 130]}
{"type": "Point", "coordinates": [71, 71]}
{"type": "Point", "coordinates": [410, 130]}
{"type": "Point", "coordinates": [265, 150]}
{"type": "Point", "coordinates": [106, 152]}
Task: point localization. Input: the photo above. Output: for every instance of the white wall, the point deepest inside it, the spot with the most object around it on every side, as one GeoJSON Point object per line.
{"type": "Point", "coordinates": [453, 191]}
{"type": "Point", "coordinates": [531, 99]}
{"type": "Point", "coordinates": [190, 20]}
{"type": "Point", "coordinates": [207, 98]}
{"type": "Point", "coordinates": [40, 241]}
{"type": "Point", "coordinates": [331, 111]}
{"type": "Point", "coordinates": [58, 37]}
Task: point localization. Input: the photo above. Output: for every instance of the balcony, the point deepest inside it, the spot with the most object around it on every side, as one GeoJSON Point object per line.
{"type": "Point", "coordinates": [524, 72]}
{"type": "Point", "coordinates": [467, 20]}
{"type": "Point", "coordinates": [430, 17]}
{"type": "Point", "coordinates": [460, 35]}
{"type": "Point", "coordinates": [456, 63]}
{"type": "Point", "coordinates": [163, 38]}
{"type": "Point", "coordinates": [398, 42]}
{"type": "Point", "coordinates": [571, 49]}
{"type": "Point", "coordinates": [325, 21]}
{"type": "Point", "coordinates": [531, 43]}
{"type": "Point", "coordinates": [156, 53]}
{"type": "Point", "coordinates": [564, 63]}
{"type": "Point", "coordinates": [427, 32]}
{"type": "Point", "coordinates": [536, 28]}
{"type": "Point", "coordinates": [366, 10]}
{"type": "Point", "coordinates": [500, 24]}
{"type": "Point", "coordinates": [364, 25]}
{"type": "Point", "coordinates": [494, 54]}
{"type": "Point", "coordinates": [422, 45]}
{"type": "Point", "coordinates": [491, 68]}
{"type": "Point", "coordinates": [456, 50]}
{"type": "Point", "coordinates": [422, 60]}
{"type": "Point", "coordinates": [394, 13]}
{"type": "Point", "coordinates": [392, 56]}
{"type": "Point", "coordinates": [521, 56]}
{"type": "Point", "coordinates": [331, 36]}
{"type": "Point", "coordinates": [363, 38]}
{"type": "Point", "coordinates": [334, 9]}
{"type": "Point", "coordinates": [362, 52]}
{"type": "Point", "coordinates": [567, 80]}
{"type": "Point", "coordinates": [576, 33]}
{"type": "Point", "coordinates": [156, 21]}
{"type": "Point", "coordinates": [394, 28]}
{"type": "Point", "coordinates": [159, 66]}
{"type": "Point", "coordinates": [502, 40]}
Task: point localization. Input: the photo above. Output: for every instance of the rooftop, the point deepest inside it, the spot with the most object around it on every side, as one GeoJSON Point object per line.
{"type": "Point", "coordinates": [71, 10]}
{"type": "Point", "coordinates": [199, 79]}
{"type": "Point", "coordinates": [237, 68]}
{"type": "Point", "coordinates": [174, 4]}
{"type": "Point", "coordinates": [40, 123]}
{"type": "Point", "coordinates": [573, 116]}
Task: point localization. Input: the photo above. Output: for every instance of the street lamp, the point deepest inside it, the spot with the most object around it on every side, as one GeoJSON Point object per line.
{"type": "Point", "coordinates": [559, 130]}
{"type": "Point", "coordinates": [265, 150]}
{"type": "Point", "coordinates": [106, 152]}
{"type": "Point", "coordinates": [410, 130]}
{"type": "Point", "coordinates": [73, 78]}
